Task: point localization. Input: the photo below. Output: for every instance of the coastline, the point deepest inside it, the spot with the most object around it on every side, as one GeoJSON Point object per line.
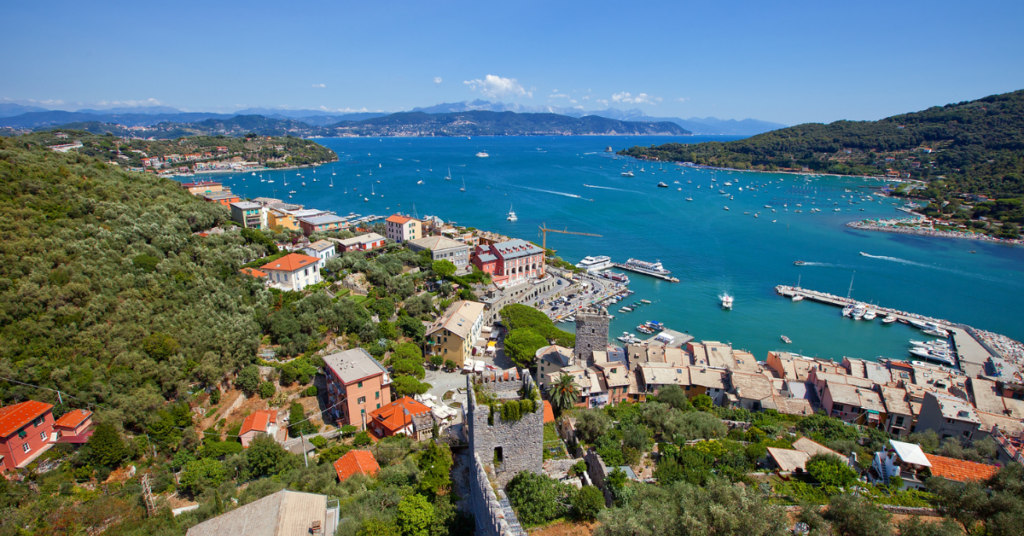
{"type": "Point", "coordinates": [258, 170]}
{"type": "Point", "coordinates": [867, 225]}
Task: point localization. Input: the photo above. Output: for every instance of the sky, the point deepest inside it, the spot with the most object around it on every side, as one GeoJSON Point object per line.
{"type": "Point", "coordinates": [787, 62]}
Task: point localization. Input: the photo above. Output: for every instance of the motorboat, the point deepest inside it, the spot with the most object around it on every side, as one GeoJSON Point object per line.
{"type": "Point", "coordinates": [786, 340]}
{"type": "Point", "coordinates": [627, 173]}
{"type": "Point", "coordinates": [870, 315]}
{"type": "Point", "coordinates": [595, 264]}
{"type": "Point", "coordinates": [798, 297]}
{"type": "Point", "coordinates": [662, 185]}
{"type": "Point", "coordinates": [726, 301]}
{"type": "Point", "coordinates": [482, 154]}
{"type": "Point", "coordinates": [511, 214]}
{"type": "Point", "coordinates": [889, 320]}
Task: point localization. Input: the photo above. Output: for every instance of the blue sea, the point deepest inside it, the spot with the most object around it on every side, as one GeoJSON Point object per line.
{"type": "Point", "coordinates": [711, 250]}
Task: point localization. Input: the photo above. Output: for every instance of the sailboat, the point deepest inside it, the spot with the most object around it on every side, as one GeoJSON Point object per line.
{"type": "Point", "coordinates": [371, 189]}
{"type": "Point", "coordinates": [449, 176]}
{"type": "Point", "coordinates": [463, 189]}
{"type": "Point", "coordinates": [332, 182]}
{"type": "Point", "coordinates": [511, 214]}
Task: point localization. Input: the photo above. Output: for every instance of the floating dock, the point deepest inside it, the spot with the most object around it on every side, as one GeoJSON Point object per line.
{"type": "Point", "coordinates": [622, 266]}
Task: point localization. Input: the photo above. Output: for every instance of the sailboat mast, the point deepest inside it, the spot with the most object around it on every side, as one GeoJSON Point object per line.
{"type": "Point", "coordinates": [848, 292]}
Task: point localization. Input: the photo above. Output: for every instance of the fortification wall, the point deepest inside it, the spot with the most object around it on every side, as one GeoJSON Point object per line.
{"type": "Point", "coordinates": [491, 516]}
{"type": "Point", "coordinates": [510, 447]}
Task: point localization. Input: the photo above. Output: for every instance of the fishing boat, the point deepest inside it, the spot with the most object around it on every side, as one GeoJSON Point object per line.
{"type": "Point", "coordinates": [511, 214]}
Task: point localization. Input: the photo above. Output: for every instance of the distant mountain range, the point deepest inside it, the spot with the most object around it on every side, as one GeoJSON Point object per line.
{"type": "Point", "coordinates": [310, 122]}
{"type": "Point", "coordinates": [474, 123]}
{"type": "Point", "coordinates": [696, 125]}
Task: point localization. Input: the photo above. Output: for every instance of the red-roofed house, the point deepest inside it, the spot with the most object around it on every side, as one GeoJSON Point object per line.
{"type": "Point", "coordinates": [403, 416]}
{"type": "Point", "coordinates": [402, 228]}
{"type": "Point", "coordinates": [356, 461]}
{"type": "Point", "coordinates": [294, 271]}
{"type": "Point", "coordinates": [25, 430]}
{"type": "Point", "coordinates": [960, 470]}
{"type": "Point", "coordinates": [254, 273]}
{"type": "Point", "coordinates": [74, 426]}
{"type": "Point", "coordinates": [263, 421]}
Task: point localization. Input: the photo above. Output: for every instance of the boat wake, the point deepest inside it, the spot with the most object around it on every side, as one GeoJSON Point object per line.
{"type": "Point", "coordinates": [552, 192]}
{"type": "Point", "coordinates": [940, 268]}
{"type": "Point", "coordinates": [608, 188]}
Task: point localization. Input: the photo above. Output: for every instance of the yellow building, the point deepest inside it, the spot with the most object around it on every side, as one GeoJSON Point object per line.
{"type": "Point", "coordinates": [452, 336]}
{"type": "Point", "coordinates": [277, 218]}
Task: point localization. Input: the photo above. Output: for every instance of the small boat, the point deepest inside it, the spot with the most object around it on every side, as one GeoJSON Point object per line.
{"type": "Point", "coordinates": [449, 176]}
{"type": "Point", "coordinates": [798, 297]}
{"type": "Point", "coordinates": [482, 154]}
{"type": "Point", "coordinates": [662, 185]}
{"type": "Point", "coordinates": [799, 263]}
{"type": "Point", "coordinates": [726, 302]}
{"type": "Point", "coordinates": [419, 182]}
{"type": "Point", "coordinates": [627, 173]}
{"type": "Point", "coordinates": [888, 320]}
{"type": "Point", "coordinates": [646, 302]}
{"type": "Point", "coordinates": [463, 189]}
{"type": "Point", "coordinates": [726, 208]}
{"type": "Point", "coordinates": [786, 340]}
{"type": "Point", "coordinates": [689, 199]}
{"type": "Point", "coordinates": [511, 214]}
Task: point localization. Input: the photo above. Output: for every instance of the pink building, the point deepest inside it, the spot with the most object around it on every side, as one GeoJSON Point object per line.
{"type": "Point", "coordinates": [357, 384]}
{"type": "Point", "coordinates": [510, 263]}
{"type": "Point", "coordinates": [262, 421]}
{"type": "Point", "coordinates": [74, 426]}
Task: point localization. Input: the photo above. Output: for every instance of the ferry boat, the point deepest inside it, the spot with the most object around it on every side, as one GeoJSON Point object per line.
{"type": "Point", "coordinates": [482, 154]}
{"type": "Point", "coordinates": [595, 264]}
{"type": "Point", "coordinates": [726, 302]}
{"type": "Point", "coordinates": [650, 268]}
{"type": "Point", "coordinates": [786, 340]}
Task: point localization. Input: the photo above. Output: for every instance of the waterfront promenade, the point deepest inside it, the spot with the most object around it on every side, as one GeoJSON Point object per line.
{"type": "Point", "coordinates": [915, 227]}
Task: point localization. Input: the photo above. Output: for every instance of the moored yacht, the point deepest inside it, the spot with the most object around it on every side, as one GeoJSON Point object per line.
{"type": "Point", "coordinates": [595, 264]}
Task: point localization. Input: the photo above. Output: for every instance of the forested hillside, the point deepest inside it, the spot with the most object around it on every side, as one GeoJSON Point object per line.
{"type": "Point", "coordinates": [977, 146]}
{"type": "Point", "coordinates": [105, 293]}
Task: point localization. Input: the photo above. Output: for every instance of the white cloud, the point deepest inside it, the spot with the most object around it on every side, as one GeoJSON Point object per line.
{"type": "Point", "coordinates": [558, 95]}
{"type": "Point", "coordinates": [319, 86]}
{"type": "Point", "coordinates": [682, 99]}
{"type": "Point", "coordinates": [437, 79]}
{"type": "Point", "coordinates": [572, 101]}
{"type": "Point", "coordinates": [496, 86]}
{"type": "Point", "coordinates": [602, 101]}
{"type": "Point", "coordinates": [586, 97]}
{"type": "Point", "coordinates": [642, 98]}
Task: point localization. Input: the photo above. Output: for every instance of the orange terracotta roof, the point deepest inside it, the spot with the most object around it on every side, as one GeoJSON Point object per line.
{"type": "Point", "coordinates": [398, 414]}
{"type": "Point", "coordinates": [398, 218]}
{"type": "Point", "coordinates": [259, 421]}
{"type": "Point", "coordinates": [290, 263]}
{"type": "Point", "coordinates": [253, 272]}
{"type": "Point", "coordinates": [13, 417]}
{"type": "Point", "coordinates": [960, 470]}
{"type": "Point", "coordinates": [549, 414]}
{"type": "Point", "coordinates": [356, 461]}
{"type": "Point", "coordinates": [73, 418]}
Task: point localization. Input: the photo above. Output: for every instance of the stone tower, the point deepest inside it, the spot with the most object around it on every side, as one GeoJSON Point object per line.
{"type": "Point", "coordinates": [508, 447]}
{"type": "Point", "coordinates": [591, 333]}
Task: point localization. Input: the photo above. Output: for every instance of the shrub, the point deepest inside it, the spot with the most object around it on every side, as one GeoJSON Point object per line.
{"type": "Point", "coordinates": [537, 498]}
{"type": "Point", "coordinates": [362, 439]}
{"type": "Point", "coordinates": [829, 470]}
{"type": "Point", "coordinates": [318, 442]}
{"type": "Point", "coordinates": [267, 390]}
{"type": "Point", "coordinates": [311, 391]}
{"type": "Point", "coordinates": [587, 503]}
{"type": "Point", "coordinates": [215, 397]}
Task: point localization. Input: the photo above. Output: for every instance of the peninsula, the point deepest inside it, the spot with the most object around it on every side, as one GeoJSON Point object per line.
{"type": "Point", "coordinates": [965, 159]}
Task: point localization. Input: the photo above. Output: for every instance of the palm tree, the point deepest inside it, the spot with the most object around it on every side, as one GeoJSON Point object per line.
{"type": "Point", "coordinates": [564, 392]}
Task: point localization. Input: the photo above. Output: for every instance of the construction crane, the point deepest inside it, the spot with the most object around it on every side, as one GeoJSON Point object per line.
{"type": "Point", "coordinates": [544, 233]}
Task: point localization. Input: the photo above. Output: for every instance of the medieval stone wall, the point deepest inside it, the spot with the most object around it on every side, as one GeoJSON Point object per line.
{"type": "Point", "coordinates": [591, 333]}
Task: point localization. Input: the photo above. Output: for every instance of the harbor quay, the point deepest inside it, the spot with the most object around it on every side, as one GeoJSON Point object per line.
{"type": "Point", "coordinates": [972, 353]}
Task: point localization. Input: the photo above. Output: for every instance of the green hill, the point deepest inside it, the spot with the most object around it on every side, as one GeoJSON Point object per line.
{"type": "Point", "coordinates": [105, 293]}
{"type": "Point", "coordinates": [974, 147]}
